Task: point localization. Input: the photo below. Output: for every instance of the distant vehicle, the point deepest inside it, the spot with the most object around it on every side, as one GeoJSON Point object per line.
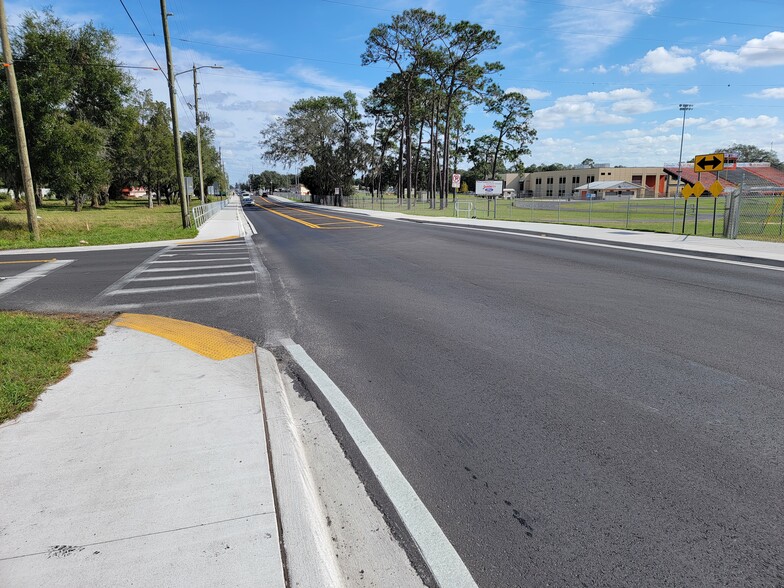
{"type": "Point", "coordinates": [264, 194]}
{"type": "Point", "coordinates": [247, 200]}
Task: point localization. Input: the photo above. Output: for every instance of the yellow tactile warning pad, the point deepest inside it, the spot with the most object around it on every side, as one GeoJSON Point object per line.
{"type": "Point", "coordinates": [206, 341]}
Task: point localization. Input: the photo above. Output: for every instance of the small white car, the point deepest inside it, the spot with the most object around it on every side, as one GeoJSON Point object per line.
{"type": "Point", "coordinates": [247, 200]}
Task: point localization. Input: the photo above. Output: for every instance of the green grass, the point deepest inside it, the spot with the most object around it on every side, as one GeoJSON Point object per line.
{"type": "Point", "coordinates": [643, 214]}
{"type": "Point", "coordinates": [124, 221]}
{"type": "Point", "coordinates": [36, 351]}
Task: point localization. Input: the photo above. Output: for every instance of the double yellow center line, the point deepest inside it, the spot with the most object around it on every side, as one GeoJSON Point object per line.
{"type": "Point", "coordinates": [335, 222]}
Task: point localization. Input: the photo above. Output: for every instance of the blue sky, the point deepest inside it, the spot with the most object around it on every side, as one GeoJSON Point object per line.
{"type": "Point", "coordinates": [604, 77]}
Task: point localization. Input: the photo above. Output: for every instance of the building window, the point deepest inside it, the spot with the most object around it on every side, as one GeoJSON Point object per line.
{"type": "Point", "coordinates": [538, 181]}
{"type": "Point", "coordinates": [562, 180]}
{"type": "Point", "coordinates": [575, 179]}
{"type": "Point", "coordinates": [549, 193]}
{"type": "Point", "coordinates": [549, 180]}
{"type": "Point", "coordinates": [591, 179]}
{"type": "Point", "coordinates": [561, 193]}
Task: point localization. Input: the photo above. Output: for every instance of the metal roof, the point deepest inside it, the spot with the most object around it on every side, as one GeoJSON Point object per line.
{"type": "Point", "coordinates": [610, 185]}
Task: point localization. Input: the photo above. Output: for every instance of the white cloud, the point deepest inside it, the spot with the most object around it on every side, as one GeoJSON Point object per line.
{"type": "Point", "coordinates": [322, 82]}
{"type": "Point", "coordinates": [773, 93]}
{"type": "Point", "coordinates": [530, 93]}
{"type": "Point", "coordinates": [240, 101]}
{"type": "Point", "coordinates": [609, 108]}
{"type": "Point", "coordinates": [690, 91]}
{"type": "Point", "coordinates": [762, 121]}
{"type": "Point", "coordinates": [615, 18]}
{"type": "Point", "coordinates": [765, 52]}
{"type": "Point", "coordinates": [664, 61]}
{"type": "Point", "coordinates": [676, 123]}
{"type": "Point", "coordinates": [498, 12]}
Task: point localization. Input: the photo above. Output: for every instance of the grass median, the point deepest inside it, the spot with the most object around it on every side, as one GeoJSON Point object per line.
{"type": "Point", "coordinates": [37, 350]}
{"type": "Point", "coordinates": [122, 221]}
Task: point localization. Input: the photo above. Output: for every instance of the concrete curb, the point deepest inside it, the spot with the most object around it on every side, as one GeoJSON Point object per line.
{"type": "Point", "coordinates": [426, 544]}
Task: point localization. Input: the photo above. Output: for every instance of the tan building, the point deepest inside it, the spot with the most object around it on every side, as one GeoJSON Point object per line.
{"type": "Point", "coordinates": [563, 183]}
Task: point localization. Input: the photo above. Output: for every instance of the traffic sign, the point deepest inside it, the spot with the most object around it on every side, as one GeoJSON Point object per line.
{"type": "Point", "coordinates": [455, 180]}
{"type": "Point", "coordinates": [698, 189]}
{"type": "Point", "coordinates": [710, 162]}
{"type": "Point", "coordinates": [716, 189]}
{"type": "Point", "coordinates": [687, 191]}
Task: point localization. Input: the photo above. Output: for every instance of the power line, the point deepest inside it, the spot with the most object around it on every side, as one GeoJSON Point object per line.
{"type": "Point", "coordinates": [147, 18]}
{"type": "Point", "coordinates": [144, 41]}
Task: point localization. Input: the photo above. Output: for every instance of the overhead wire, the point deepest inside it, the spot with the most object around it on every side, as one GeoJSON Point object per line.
{"type": "Point", "coordinates": [144, 41]}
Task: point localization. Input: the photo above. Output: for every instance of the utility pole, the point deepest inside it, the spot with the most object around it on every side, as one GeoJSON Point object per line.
{"type": "Point", "coordinates": [186, 221]}
{"type": "Point", "coordinates": [21, 139]}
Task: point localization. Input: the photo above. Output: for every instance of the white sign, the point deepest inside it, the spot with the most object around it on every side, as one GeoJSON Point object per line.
{"type": "Point", "coordinates": [455, 180]}
{"type": "Point", "coordinates": [489, 188]}
{"type": "Point", "coordinates": [337, 191]}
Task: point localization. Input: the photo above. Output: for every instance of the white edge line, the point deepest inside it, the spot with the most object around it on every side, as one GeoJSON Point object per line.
{"type": "Point", "coordinates": [445, 564]}
{"type": "Point", "coordinates": [14, 283]}
{"type": "Point", "coordinates": [577, 241]}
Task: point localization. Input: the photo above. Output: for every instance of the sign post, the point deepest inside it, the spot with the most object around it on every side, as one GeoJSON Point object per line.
{"type": "Point", "coordinates": [716, 189]}
{"type": "Point", "coordinates": [685, 192]}
{"type": "Point", "coordinates": [455, 185]}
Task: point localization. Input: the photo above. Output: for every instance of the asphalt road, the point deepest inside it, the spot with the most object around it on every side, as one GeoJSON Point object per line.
{"type": "Point", "coordinates": [570, 414]}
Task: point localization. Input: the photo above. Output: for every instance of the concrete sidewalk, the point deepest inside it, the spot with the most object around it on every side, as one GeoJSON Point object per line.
{"type": "Point", "coordinates": [744, 248]}
{"type": "Point", "coordinates": [148, 466]}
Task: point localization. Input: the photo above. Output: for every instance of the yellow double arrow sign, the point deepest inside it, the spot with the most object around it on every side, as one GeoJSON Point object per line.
{"type": "Point", "coordinates": [697, 190]}
{"type": "Point", "coordinates": [709, 162]}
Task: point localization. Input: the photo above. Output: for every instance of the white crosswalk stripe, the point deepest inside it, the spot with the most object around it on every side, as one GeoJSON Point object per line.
{"type": "Point", "coordinates": [186, 268]}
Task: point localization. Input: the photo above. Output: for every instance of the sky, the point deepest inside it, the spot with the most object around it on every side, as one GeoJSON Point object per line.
{"type": "Point", "coordinates": [604, 78]}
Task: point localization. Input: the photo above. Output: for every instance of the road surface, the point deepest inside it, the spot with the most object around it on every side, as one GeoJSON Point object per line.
{"type": "Point", "coordinates": [571, 414]}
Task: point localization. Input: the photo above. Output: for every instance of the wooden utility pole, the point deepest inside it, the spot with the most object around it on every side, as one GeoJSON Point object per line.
{"type": "Point", "coordinates": [21, 139]}
{"type": "Point", "coordinates": [186, 221]}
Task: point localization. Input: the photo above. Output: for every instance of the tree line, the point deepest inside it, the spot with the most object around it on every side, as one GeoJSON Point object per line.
{"type": "Point", "coordinates": [410, 133]}
{"type": "Point", "coordinates": [90, 132]}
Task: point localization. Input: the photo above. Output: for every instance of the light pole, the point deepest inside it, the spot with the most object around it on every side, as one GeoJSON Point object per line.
{"type": "Point", "coordinates": [198, 122]}
{"type": "Point", "coordinates": [684, 108]}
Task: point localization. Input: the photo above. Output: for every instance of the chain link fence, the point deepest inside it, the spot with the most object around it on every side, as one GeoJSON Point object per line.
{"type": "Point", "coordinates": [756, 213]}
{"type": "Point", "coordinates": [701, 216]}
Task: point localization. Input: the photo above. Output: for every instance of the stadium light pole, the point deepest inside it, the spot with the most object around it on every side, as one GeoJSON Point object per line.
{"type": "Point", "coordinates": [684, 108]}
